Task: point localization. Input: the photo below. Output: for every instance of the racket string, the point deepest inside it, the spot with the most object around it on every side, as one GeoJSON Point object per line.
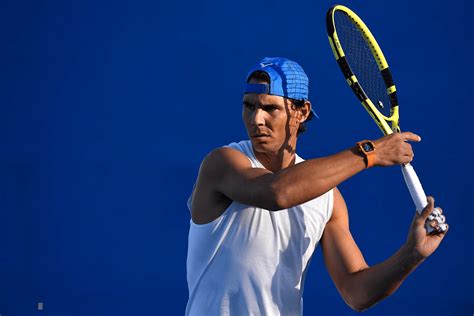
{"type": "Point", "coordinates": [362, 61]}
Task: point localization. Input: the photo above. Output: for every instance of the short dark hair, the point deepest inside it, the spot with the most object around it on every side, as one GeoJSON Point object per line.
{"type": "Point", "coordinates": [263, 76]}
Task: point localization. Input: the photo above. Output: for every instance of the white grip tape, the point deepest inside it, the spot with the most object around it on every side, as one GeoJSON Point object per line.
{"type": "Point", "coordinates": [414, 186]}
{"type": "Point", "coordinates": [416, 190]}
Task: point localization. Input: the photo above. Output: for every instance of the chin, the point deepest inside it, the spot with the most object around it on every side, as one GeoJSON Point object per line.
{"type": "Point", "coordinates": [263, 146]}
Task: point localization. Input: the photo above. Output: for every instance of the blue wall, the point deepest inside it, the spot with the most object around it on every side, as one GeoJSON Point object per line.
{"type": "Point", "coordinates": [108, 107]}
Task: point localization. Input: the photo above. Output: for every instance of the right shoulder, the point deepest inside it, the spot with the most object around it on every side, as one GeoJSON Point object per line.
{"type": "Point", "coordinates": [222, 159]}
{"type": "Point", "coordinates": [218, 169]}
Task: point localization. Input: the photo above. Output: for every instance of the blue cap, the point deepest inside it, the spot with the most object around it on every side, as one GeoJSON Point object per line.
{"type": "Point", "coordinates": [287, 79]}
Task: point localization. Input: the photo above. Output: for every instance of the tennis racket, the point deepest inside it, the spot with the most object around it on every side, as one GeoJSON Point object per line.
{"type": "Point", "coordinates": [367, 73]}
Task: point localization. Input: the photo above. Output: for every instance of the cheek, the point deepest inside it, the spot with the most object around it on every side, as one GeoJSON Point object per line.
{"type": "Point", "coordinates": [294, 121]}
{"type": "Point", "coordinates": [246, 114]}
{"type": "Point", "coordinates": [245, 119]}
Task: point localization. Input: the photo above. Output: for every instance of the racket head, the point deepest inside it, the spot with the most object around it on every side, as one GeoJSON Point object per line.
{"type": "Point", "coordinates": [364, 66]}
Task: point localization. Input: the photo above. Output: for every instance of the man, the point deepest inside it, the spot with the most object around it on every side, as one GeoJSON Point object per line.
{"type": "Point", "coordinates": [259, 210]}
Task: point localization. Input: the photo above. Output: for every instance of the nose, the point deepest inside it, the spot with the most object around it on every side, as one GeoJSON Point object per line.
{"type": "Point", "coordinates": [258, 117]}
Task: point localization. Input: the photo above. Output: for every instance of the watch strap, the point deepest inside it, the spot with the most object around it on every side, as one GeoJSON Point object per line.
{"type": "Point", "coordinates": [368, 155]}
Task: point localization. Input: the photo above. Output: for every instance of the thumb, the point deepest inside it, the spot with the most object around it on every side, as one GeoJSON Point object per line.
{"type": "Point", "coordinates": [428, 209]}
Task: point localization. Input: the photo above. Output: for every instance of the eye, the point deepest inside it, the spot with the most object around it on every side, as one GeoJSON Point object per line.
{"type": "Point", "coordinates": [269, 108]}
{"type": "Point", "coordinates": [249, 106]}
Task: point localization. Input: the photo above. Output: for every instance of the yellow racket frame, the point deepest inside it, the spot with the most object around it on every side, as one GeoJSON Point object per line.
{"type": "Point", "coordinates": [381, 120]}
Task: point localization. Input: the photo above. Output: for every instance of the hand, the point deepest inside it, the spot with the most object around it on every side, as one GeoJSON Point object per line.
{"type": "Point", "coordinates": [394, 149]}
{"type": "Point", "coordinates": [418, 240]}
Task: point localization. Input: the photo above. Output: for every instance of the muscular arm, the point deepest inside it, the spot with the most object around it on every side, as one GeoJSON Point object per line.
{"type": "Point", "coordinates": [362, 286]}
{"type": "Point", "coordinates": [227, 175]}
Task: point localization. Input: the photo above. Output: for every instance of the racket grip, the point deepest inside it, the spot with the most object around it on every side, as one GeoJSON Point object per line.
{"type": "Point", "coordinates": [416, 191]}
{"type": "Point", "coordinates": [414, 186]}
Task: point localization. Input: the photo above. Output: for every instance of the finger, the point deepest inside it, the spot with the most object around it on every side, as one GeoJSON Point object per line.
{"type": "Point", "coordinates": [436, 222]}
{"type": "Point", "coordinates": [436, 214]}
{"type": "Point", "coordinates": [441, 219]}
{"type": "Point", "coordinates": [407, 159]}
{"type": "Point", "coordinates": [409, 136]}
{"type": "Point", "coordinates": [428, 208]}
{"type": "Point", "coordinates": [440, 230]}
{"type": "Point", "coordinates": [446, 228]}
{"type": "Point", "coordinates": [407, 147]}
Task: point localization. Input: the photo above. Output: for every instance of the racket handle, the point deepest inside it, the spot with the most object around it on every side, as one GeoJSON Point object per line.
{"type": "Point", "coordinates": [414, 186]}
{"type": "Point", "coordinates": [416, 191]}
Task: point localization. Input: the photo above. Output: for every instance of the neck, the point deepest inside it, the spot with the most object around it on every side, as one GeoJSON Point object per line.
{"type": "Point", "coordinates": [276, 161]}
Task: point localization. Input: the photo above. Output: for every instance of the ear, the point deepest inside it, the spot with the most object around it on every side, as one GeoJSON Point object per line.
{"type": "Point", "coordinates": [304, 111]}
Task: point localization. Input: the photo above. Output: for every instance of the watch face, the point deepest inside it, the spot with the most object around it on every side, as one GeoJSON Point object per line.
{"type": "Point", "coordinates": [368, 147]}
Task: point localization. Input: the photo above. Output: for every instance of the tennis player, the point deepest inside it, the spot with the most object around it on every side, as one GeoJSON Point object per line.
{"type": "Point", "coordinates": [259, 210]}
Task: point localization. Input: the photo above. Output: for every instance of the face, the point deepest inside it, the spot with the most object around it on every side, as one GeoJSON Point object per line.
{"type": "Point", "coordinates": [271, 122]}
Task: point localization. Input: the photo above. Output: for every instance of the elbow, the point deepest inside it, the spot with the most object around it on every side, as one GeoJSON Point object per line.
{"type": "Point", "coordinates": [278, 198]}
{"type": "Point", "coordinates": [362, 301]}
{"type": "Point", "coordinates": [276, 204]}
{"type": "Point", "coordinates": [357, 305]}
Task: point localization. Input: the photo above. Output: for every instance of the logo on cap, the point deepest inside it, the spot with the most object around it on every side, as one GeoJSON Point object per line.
{"type": "Point", "coordinates": [265, 64]}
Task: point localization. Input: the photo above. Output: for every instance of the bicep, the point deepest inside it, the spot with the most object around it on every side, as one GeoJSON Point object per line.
{"type": "Point", "coordinates": [240, 182]}
{"type": "Point", "coordinates": [227, 175]}
{"type": "Point", "coordinates": [342, 256]}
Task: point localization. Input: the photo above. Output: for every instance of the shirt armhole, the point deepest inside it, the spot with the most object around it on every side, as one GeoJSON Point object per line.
{"type": "Point", "coordinates": [330, 204]}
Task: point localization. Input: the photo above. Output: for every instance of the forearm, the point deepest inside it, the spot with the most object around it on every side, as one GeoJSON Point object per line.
{"type": "Point", "coordinates": [369, 286]}
{"type": "Point", "coordinates": [312, 178]}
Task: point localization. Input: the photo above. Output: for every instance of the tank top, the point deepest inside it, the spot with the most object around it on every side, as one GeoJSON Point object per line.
{"type": "Point", "coordinates": [251, 261]}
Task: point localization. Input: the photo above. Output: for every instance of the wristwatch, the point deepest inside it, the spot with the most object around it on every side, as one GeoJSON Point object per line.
{"type": "Point", "coordinates": [367, 149]}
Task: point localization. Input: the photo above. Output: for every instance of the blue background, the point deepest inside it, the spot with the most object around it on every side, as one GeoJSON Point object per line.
{"type": "Point", "coordinates": [108, 107]}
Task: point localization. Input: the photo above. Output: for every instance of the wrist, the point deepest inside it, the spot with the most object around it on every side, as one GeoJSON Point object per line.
{"type": "Point", "coordinates": [409, 251]}
{"type": "Point", "coordinates": [366, 148]}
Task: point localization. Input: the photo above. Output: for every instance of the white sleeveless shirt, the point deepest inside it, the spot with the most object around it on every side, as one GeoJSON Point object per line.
{"type": "Point", "coordinates": [251, 261]}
